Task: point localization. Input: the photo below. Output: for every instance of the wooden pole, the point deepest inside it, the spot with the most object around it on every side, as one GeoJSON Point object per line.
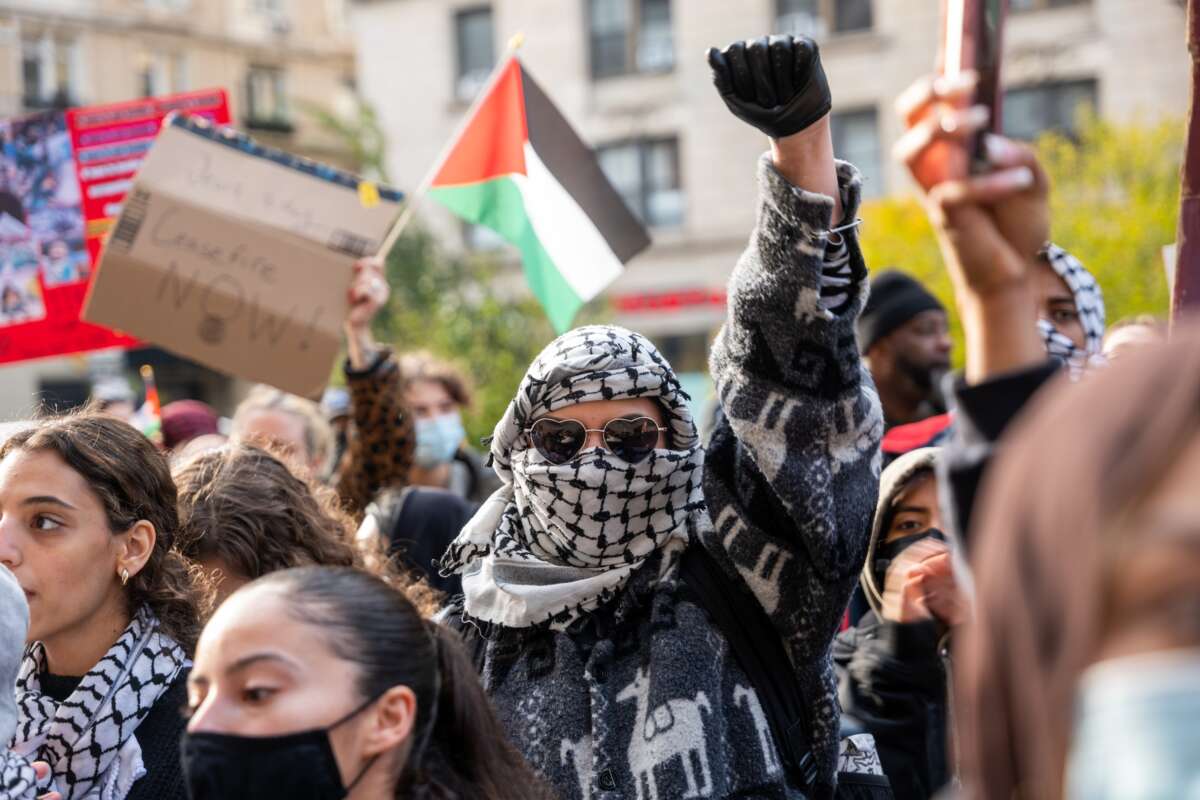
{"type": "Point", "coordinates": [1187, 259]}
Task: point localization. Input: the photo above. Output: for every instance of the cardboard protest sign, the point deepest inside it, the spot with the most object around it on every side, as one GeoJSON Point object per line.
{"type": "Point", "coordinates": [238, 256]}
{"type": "Point", "coordinates": [63, 177]}
{"type": "Point", "coordinates": [111, 141]}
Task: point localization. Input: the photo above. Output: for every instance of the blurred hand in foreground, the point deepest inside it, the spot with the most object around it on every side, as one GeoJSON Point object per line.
{"type": "Point", "coordinates": [990, 226]}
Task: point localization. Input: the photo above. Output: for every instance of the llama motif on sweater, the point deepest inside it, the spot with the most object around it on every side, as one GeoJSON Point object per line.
{"type": "Point", "coordinates": [640, 697]}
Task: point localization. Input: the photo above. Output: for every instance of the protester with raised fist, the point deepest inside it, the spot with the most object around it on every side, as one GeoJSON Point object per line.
{"type": "Point", "coordinates": [610, 583]}
{"type": "Point", "coordinates": [87, 526]}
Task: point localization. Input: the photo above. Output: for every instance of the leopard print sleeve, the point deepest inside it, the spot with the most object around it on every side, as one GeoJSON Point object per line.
{"type": "Point", "coordinates": [380, 448]}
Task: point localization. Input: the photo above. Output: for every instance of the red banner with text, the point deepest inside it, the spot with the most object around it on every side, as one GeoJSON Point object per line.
{"type": "Point", "coordinates": [63, 177]}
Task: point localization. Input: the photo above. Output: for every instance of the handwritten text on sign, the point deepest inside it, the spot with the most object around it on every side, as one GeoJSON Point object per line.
{"type": "Point", "coordinates": [235, 261]}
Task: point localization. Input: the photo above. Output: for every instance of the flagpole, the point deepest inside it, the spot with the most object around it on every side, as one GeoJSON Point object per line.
{"type": "Point", "coordinates": [410, 204]}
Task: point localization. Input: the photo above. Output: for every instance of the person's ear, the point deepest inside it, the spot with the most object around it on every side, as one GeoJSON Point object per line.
{"type": "Point", "coordinates": [393, 721]}
{"type": "Point", "coordinates": [137, 545]}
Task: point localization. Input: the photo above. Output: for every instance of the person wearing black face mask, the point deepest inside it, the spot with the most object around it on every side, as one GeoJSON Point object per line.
{"type": "Point", "coordinates": [893, 665]}
{"type": "Point", "coordinates": [323, 683]}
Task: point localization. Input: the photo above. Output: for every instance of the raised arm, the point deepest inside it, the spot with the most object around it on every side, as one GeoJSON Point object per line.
{"type": "Point", "coordinates": [379, 452]}
{"type": "Point", "coordinates": [792, 467]}
{"type": "Point", "coordinates": [990, 228]}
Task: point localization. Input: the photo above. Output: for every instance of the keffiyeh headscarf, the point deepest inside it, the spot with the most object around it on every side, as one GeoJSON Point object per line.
{"type": "Point", "coordinates": [555, 541]}
{"type": "Point", "coordinates": [1089, 303]}
{"type": "Point", "coordinates": [88, 738]}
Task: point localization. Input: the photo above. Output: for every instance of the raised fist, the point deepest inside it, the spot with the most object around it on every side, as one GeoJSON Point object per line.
{"type": "Point", "coordinates": [776, 84]}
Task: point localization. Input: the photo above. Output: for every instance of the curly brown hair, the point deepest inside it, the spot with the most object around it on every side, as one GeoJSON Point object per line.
{"type": "Point", "coordinates": [242, 504]}
{"type": "Point", "coordinates": [133, 483]}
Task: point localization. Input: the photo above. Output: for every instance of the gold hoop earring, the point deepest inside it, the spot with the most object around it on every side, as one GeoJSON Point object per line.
{"type": "Point", "coordinates": [124, 576]}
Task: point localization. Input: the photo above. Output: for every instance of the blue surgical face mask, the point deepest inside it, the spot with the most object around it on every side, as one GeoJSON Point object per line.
{"type": "Point", "coordinates": [438, 439]}
{"type": "Point", "coordinates": [1137, 735]}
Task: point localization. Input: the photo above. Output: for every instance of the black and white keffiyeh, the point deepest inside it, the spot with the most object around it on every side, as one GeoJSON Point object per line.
{"type": "Point", "coordinates": [88, 738]}
{"type": "Point", "coordinates": [1089, 303]}
{"type": "Point", "coordinates": [555, 541]}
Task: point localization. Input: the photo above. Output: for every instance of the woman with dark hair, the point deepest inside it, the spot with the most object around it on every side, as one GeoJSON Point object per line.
{"type": "Point", "coordinates": [243, 514]}
{"type": "Point", "coordinates": [323, 682]}
{"type": "Point", "coordinates": [87, 524]}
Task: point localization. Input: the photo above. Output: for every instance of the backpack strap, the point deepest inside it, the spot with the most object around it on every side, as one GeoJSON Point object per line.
{"type": "Point", "coordinates": [759, 651]}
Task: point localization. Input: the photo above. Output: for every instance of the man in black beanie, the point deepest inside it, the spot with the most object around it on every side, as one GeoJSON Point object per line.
{"type": "Point", "coordinates": [904, 336]}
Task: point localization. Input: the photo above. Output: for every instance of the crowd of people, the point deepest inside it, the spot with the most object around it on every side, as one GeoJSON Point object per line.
{"type": "Point", "coordinates": [875, 578]}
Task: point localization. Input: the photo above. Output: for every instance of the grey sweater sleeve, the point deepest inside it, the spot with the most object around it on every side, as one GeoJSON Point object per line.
{"type": "Point", "coordinates": [793, 463]}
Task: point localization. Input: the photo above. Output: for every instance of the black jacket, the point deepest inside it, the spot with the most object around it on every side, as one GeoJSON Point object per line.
{"type": "Point", "coordinates": [892, 683]}
{"type": "Point", "coordinates": [982, 413]}
{"type": "Point", "coordinates": [419, 523]}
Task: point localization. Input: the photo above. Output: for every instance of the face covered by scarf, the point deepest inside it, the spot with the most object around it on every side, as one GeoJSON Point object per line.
{"type": "Point", "coordinates": [557, 540]}
{"type": "Point", "coordinates": [1089, 303]}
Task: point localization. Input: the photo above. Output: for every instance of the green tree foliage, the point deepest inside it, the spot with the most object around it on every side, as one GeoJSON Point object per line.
{"type": "Point", "coordinates": [358, 129]}
{"type": "Point", "coordinates": [472, 310]}
{"type": "Point", "coordinates": [1114, 203]}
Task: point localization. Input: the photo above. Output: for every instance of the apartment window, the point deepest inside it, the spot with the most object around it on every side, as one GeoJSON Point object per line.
{"type": "Point", "coordinates": [856, 139]}
{"type": "Point", "coordinates": [628, 36]}
{"type": "Point", "coordinates": [266, 99]}
{"type": "Point", "coordinates": [646, 174]}
{"type": "Point", "coordinates": [1037, 5]}
{"type": "Point", "coordinates": [816, 18]}
{"type": "Point", "coordinates": [476, 51]}
{"type": "Point", "coordinates": [1031, 110]}
{"type": "Point", "coordinates": [49, 72]}
{"type": "Point", "coordinates": [162, 73]}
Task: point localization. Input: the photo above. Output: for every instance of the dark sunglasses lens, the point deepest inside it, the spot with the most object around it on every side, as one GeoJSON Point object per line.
{"type": "Point", "coordinates": [557, 440]}
{"type": "Point", "coordinates": [631, 440]}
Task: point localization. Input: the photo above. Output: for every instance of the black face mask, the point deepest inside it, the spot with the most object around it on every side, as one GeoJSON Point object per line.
{"type": "Point", "coordinates": [887, 552]}
{"type": "Point", "coordinates": [298, 766]}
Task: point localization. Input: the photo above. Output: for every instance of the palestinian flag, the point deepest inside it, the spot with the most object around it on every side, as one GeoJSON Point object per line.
{"type": "Point", "coordinates": [519, 169]}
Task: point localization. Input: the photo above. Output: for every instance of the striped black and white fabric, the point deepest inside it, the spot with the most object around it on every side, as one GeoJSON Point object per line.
{"type": "Point", "coordinates": [557, 540]}
{"type": "Point", "coordinates": [1089, 303]}
{"type": "Point", "coordinates": [88, 738]}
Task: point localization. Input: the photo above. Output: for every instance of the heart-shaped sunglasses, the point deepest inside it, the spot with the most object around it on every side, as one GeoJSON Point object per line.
{"type": "Point", "coordinates": [560, 440]}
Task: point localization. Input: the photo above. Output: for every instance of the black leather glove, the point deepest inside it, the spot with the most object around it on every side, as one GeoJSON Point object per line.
{"type": "Point", "coordinates": [775, 84]}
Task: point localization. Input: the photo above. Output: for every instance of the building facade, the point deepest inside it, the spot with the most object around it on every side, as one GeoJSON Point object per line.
{"type": "Point", "coordinates": [632, 77]}
{"type": "Point", "coordinates": [277, 59]}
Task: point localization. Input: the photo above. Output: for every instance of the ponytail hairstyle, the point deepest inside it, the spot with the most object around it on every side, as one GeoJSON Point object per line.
{"type": "Point", "coordinates": [133, 483]}
{"type": "Point", "coordinates": [458, 749]}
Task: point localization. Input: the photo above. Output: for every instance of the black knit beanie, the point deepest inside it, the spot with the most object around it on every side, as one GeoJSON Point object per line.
{"type": "Point", "coordinates": [895, 299]}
